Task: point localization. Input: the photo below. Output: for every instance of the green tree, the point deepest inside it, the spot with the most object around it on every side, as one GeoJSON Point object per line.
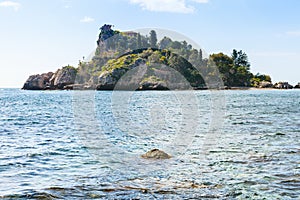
{"type": "Point", "coordinates": [165, 43]}
{"type": "Point", "coordinates": [240, 59]}
{"type": "Point", "coordinates": [184, 45]}
{"type": "Point", "coordinates": [194, 58]}
{"type": "Point", "coordinates": [132, 43]}
{"type": "Point", "coordinates": [200, 57]}
{"type": "Point", "coordinates": [241, 66]}
{"type": "Point", "coordinates": [184, 49]}
{"type": "Point", "coordinates": [176, 45]}
{"type": "Point", "coordinates": [153, 39]}
{"type": "Point", "coordinates": [256, 79]}
{"type": "Point", "coordinates": [139, 41]}
{"type": "Point", "coordinates": [225, 67]}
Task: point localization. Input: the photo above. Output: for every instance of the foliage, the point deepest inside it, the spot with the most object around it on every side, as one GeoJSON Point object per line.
{"type": "Point", "coordinates": [69, 67]}
{"type": "Point", "coordinates": [122, 62]}
{"type": "Point", "coordinates": [153, 39]}
{"type": "Point", "coordinates": [165, 43]}
{"type": "Point", "coordinates": [125, 50]}
{"type": "Point", "coordinates": [235, 70]}
{"type": "Point", "coordinates": [151, 79]}
{"type": "Point", "coordinates": [139, 41]}
{"type": "Point", "coordinates": [240, 59]}
{"type": "Point", "coordinates": [258, 78]}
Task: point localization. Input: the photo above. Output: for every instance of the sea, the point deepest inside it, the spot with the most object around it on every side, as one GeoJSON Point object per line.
{"type": "Point", "coordinates": [235, 144]}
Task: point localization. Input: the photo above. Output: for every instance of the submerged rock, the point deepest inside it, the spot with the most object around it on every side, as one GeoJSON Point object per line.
{"type": "Point", "coordinates": [156, 154]}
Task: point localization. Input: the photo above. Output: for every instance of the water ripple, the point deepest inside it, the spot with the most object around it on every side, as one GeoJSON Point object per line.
{"type": "Point", "coordinates": [46, 152]}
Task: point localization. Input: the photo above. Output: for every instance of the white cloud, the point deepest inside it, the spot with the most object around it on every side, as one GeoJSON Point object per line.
{"type": "Point", "coordinates": [201, 1]}
{"type": "Point", "coordinates": [11, 4]}
{"type": "Point", "coordinates": [87, 19]}
{"type": "Point", "coordinates": [67, 3]}
{"type": "Point", "coordinates": [293, 33]}
{"type": "Point", "coordinates": [175, 6]}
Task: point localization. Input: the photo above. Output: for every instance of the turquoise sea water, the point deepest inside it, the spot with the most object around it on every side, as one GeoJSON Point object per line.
{"type": "Point", "coordinates": [87, 144]}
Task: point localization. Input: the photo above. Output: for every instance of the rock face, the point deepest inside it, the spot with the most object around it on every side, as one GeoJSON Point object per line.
{"type": "Point", "coordinates": [63, 77]}
{"type": "Point", "coordinates": [156, 154]}
{"type": "Point", "coordinates": [38, 82]}
{"type": "Point", "coordinates": [297, 86]}
{"type": "Point", "coordinates": [153, 85]}
{"type": "Point", "coordinates": [107, 80]}
{"type": "Point", "coordinates": [265, 84]}
{"type": "Point", "coordinates": [283, 85]}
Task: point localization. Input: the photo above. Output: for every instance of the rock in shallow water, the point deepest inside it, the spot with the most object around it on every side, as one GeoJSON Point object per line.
{"type": "Point", "coordinates": [156, 154]}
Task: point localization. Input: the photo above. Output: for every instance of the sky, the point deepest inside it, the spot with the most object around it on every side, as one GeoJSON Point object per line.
{"type": "Point", "coordinates": [41, 36]}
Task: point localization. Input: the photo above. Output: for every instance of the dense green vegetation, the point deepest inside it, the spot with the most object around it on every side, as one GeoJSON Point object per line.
{"type": "Point", "coordinates": [124, 50]}
{"type": "Point", "coordinates": [235, 70]}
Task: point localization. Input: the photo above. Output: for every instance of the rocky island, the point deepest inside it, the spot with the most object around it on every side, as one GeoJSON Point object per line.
{"type": "Point", "coordinates": [129, 60]}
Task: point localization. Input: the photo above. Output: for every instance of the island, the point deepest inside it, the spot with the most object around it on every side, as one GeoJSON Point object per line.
{"type": "Point", "coordinates": [132, 61]}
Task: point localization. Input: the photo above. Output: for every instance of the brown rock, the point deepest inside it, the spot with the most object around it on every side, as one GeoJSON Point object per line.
{"type": "Point", "coordinates": [156, 154]}
{"type": "Point", "coordinates": [63, 77]}
{"type": "Point", "coordinates": [265, 84]}
{"type": "Point", "coordinates": [38, 82]}
{"type": "Point", "coordinates": [283, 85]}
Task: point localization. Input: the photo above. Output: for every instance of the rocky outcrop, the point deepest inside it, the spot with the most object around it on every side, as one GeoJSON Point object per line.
{"type": "Point", "coordinates": [265, 84]}
{"type": "Point", "coordinates": [156, 154]}
{"type": "Point", "coordinates": [297, 86]}
{"type": "Point", "coordinates": [63, 77]}
{"type": "Point", "coordinates": [153, 83]}
{"type": "Point", "coordinates": [38, 82]}
{"type": "Point", "coordinates": [107, 80]}
{"type": "Point", "coordinates": [283, 85]}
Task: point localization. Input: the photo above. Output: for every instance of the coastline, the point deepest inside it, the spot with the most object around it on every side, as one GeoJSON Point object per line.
{"type": "Point", "coordinates": [257, 88]}
{"type": "Point", "coordinates": [196, 89]}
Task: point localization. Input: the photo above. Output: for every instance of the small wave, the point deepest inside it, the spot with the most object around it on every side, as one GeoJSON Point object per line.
{"type": "Point", "coordinates": [31, 195]}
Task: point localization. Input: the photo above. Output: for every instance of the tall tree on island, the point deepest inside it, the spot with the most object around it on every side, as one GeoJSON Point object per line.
{"type": "Point", "coordinates": [139, 41]}
{"type": "Point", "coordinates": [200, 55]}
{"type": "Point", "coordinates": [165, 43]}
{"type": "Point", "coordinates": [240, 59]}
{"type": "Point", "coordinates": [153, 39]}
{"type": "Point", "coordinates": [241, 67]}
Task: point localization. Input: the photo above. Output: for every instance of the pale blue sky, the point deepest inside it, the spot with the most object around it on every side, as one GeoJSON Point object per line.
{"type": "Point", "coordinates": [40, 36]}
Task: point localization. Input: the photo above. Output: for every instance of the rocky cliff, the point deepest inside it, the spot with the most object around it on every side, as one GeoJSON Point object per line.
{"type": "Point", "coordinates": [118, 54]}
{"type": "Point", "coordinates": [38, 82]}
{"type": "Point", "coordinates": [128, 61]}
{"type": "Point", "coordinates": [51, 81]}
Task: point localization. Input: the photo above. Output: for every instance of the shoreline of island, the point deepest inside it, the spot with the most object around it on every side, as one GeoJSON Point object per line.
{"type": "Point", "coordinates": [132, 61]}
